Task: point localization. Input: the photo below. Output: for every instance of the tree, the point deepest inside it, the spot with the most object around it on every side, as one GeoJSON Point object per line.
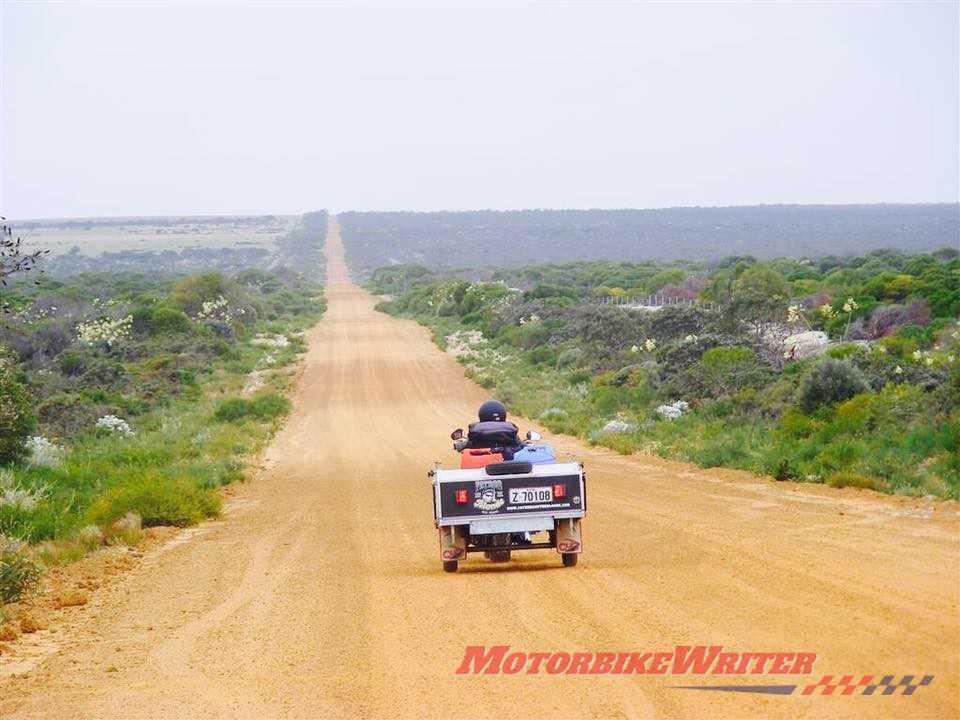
{"type": "Point", "coordinates": [12, 258]}
{"type": "Point", "coordinates": [727, 370]}
{"type": "Point", "coordinates": [758, 297]}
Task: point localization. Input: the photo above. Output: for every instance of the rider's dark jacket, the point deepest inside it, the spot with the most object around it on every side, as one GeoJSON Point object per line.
{"type": "Point", "coordinates": [493, 434]}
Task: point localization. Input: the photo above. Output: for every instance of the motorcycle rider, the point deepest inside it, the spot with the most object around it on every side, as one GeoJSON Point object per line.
{"type": "Point", "coordinates": [493, 431]}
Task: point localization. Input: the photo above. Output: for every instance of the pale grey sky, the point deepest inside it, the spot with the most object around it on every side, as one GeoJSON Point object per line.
{"type": "Point", "coordinates": [134, 108]}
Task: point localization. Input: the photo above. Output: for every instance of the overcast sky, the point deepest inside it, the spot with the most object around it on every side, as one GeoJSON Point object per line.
{"type": "Point", "coordinates": [159, 108]}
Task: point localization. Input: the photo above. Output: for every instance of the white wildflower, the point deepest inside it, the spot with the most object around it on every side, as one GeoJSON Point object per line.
{"type": "Point", "coordinates": [15, 495]}
{"type": "Point", "coordinates": [827, 311]}
{"type": "Point", "coordinates": [43, 453]}
{"type": "Point", "coordinates": [673, 410]}
{"type": "Point", "coordinates": [898, 370]}
{"type": "Point", "coordinates": [634, 348]}
{"type": "Point", "coordinates": [554, 413]}
{"type": "Point", "coordinates": [649, 344]}
{"type": "Point", "coordinates": [271, 341]}
{"type": "Point", "coordinates": [115, 424]}
{"type": "Point", "coordinates": [917, 355]}
{"type": "Point", "coordinates": [105, 330]}
{"type": "Point", "coordinates": [850, 305]}
{"type": "Point", "coordinates": [690, 338]}
{"type": "Point", "coordinates": [618, 426]}
{"type": "Point", "coordinates": [218, 309]}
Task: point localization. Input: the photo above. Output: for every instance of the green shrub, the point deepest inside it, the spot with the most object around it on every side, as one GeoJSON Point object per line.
{"type": "Point", "coordinates": [727, 370]}
{"type": "Point", "coordinates": [232, 410]}
{"type": "Point", "coordinates": [17, 418]}
{"type": "Point", "coordinates": [158, 501]}
{"type": "Point", "coordinates": [542, 355]}
{"type": "Point", "coordinates": [847, 479]}
{"type": "Point", "coordinates": [719, 408]}
{"type": "Point", "coordinates": [570, 358]}
{"type": "Point", "coordinates": [842, 352]}
{"type": "Point", "coordinates": [264, 406]}
{"type": "Point", "coordinates": [269, 405]}
{"type": "Point", "coordinates": [68, 414]}
{"type": "Point", "coordinates": [727, 453]}
{"type": "Point", "coordinates": [19, 575]}
{"type": "Point", "coordinates": [630, 375]}
{"type": "Point", "coordinates": [168, 321]}
{"type": "Point", "coordinates": [71, 363]}
{"type": "Point", "coordinates": [830, 382]}
{"type": "Point", "coordinates": [797, 425]}
{"type": "Point", "coordinates": [603, 379]}
{"type": "Point", "coordinates": [783, 470]}
{"type": "Point", "coordinates": [189, 293]}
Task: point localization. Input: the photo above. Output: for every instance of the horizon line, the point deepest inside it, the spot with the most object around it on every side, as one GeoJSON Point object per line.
{"type": "Point", "coordinates": [233, 214]}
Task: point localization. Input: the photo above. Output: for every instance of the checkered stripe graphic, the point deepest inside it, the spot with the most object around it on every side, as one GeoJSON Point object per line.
{"type": "Point", "coordinates": [848, 686]}
{"type": "Point", "coordinates": [890, 688]}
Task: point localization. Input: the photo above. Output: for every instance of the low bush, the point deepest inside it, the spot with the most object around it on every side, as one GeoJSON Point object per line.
{"type": "Point", "coordinates": [165, 321]}
{"type": "Point", "coordinates": [830, 382]}
{"type": "Point", "coordinates": [264, 406]}
{"type": "Point", "coordinates": [847, 479]}
{"type": "Point", "coordinates": [17, 418]}
{"type": "Point", "coordinates": [19, 575]}
{"type": "Point", "coordinates": [158, 501]}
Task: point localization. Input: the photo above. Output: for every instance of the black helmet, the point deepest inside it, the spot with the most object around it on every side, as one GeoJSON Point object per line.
{"type": "Point", "coordinates": [492, 410]}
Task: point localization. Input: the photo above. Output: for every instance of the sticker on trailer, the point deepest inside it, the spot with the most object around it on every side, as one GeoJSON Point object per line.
{"type": "Point", "coordinates": [488, 495]}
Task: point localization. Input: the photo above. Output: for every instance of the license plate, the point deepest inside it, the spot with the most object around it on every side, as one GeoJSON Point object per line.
{"type": "Point", "coordinates": [526, 496]}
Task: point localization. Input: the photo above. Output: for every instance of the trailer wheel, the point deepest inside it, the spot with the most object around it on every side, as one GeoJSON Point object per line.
{"type": "Point", "coordinates": [450, 565]}
{"type": "Point", "coordinates": [501, 545]}
{"type": "Point", "coordinates": [569, 559]}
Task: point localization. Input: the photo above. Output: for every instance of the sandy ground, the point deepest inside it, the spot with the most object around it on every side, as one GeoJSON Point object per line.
{"type": "Point", "coordinates": [319, 593]}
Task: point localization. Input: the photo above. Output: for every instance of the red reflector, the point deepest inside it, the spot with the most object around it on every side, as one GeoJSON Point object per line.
{"type": "Point", "coordinates": [559, 490]}
{"type": "Point", "coordinates": [461, 496]}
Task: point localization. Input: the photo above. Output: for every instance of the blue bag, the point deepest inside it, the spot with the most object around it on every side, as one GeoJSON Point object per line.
{"type": "Point", "coordinates": [536, 454]}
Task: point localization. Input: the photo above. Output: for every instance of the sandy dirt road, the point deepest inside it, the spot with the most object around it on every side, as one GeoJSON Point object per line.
{"type": "Point", "coordinates": [319, 593]}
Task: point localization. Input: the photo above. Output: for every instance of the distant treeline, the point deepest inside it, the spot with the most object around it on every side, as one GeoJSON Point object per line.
{"type": "Point", "coordinates": [509, 238]}
{"type": "Point", "coordinates": [161, 221]}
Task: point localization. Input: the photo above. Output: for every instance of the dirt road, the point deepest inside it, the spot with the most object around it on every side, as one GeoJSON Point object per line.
{"type": "Point", "coordinates": [320, 594]}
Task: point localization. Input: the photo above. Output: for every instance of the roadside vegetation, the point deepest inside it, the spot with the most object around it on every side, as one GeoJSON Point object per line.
{"type": "Point", "coordinates": [128, 399]}
{"type": "Point", "coordinates": [843, 371]}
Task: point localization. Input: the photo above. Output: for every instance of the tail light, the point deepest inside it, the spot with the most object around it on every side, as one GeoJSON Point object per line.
{"type": "Point", "coordinates": [559, 491]}
{"type": "Point", "coordinates": [461, 497]}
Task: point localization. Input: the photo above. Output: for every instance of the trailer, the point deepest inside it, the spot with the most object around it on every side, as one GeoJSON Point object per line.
{"type": "Point", "coordinates": [508, 506]}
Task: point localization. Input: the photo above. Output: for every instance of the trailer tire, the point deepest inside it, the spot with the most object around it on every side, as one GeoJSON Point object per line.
{"type": "Point", "coordinates": [450, 565]}
{"type": "Point", "coordinates": [500, 551]}
{"type": "Point", "coordinates": [569, 559]}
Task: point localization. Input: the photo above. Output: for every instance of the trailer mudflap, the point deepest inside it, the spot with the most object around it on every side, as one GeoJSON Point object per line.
{"type": "Point", "coordinates": [453, 542]}
{"type": "Point", "coordinates": [568, 536]}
